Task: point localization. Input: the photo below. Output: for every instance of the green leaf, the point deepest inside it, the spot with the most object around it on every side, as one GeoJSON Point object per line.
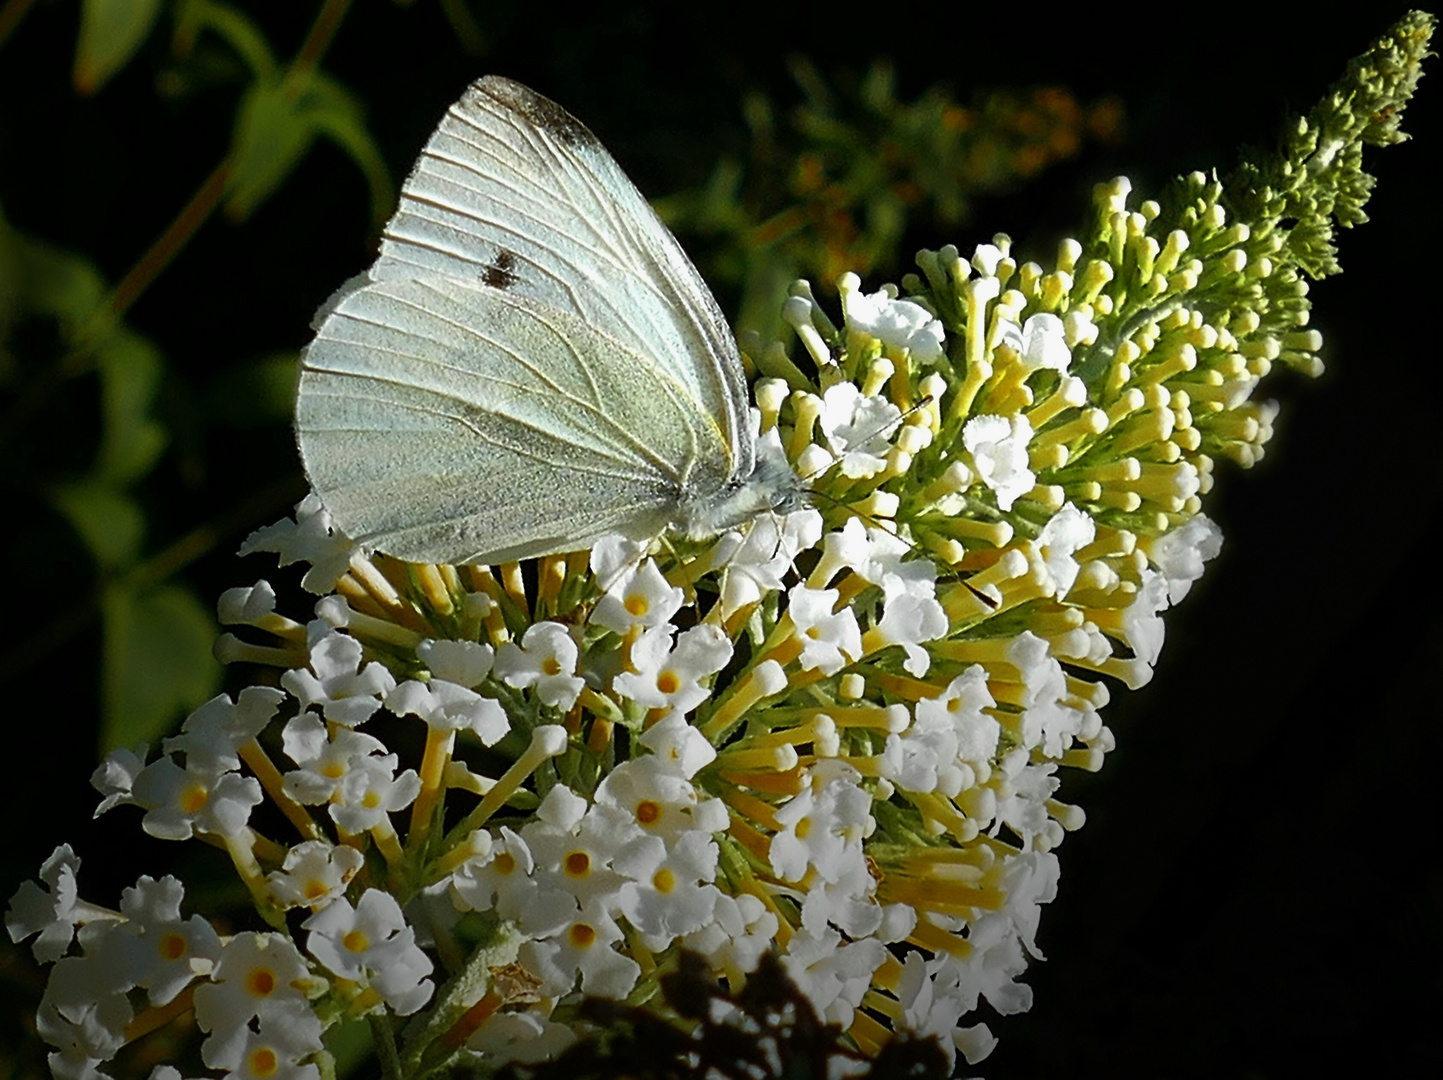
{"type": "Point", "coordinates": [47, 280]}
{"type": "Point", "coordinates": [275, 127]}
{"type": "Point", "coordinates": [157, 661]}
{"type": "Point", "coordinates": [110, 32]}
{"type": "Point", "coordinates": [272, 134]}
{"type": "Point", "coordinates": [108, 520]}
{"type": "Point", "coordinates": [239, 32]}
{"type": "Point", "coordinates": [130, 372]}
{"type": "Point", "coordinates": [343, 122]}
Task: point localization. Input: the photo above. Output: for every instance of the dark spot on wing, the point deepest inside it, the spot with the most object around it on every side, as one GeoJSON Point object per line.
{"type": "Point", "coordinates": [500, 272]}
{"type": "Point", "coordinates": [541, 112]}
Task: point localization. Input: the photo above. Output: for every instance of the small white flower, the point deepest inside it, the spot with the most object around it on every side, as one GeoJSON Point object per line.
{"type": "Point", "coordinates": [161, 951]}
{"type": "Point", "coordinates": [832, 973]}
{"type": "Point", "coordinates": [371, 791]}
{"type": "Point", "coordinates": [449, 706]}
{"type": "Point", "coordinates": [51, 914]}
{"type": "Point", "coordinates": [1180, 554]}
{"type": "Point", "coordinates": [348, 693]}
{"type": "Point", "coordinates": [273, 1051]}
{"type": "Point", "coordinates": [1040, 342]}
{"type": "Point", "coordinates": [858, 429]}
{"type": "Point", "coordinates": [741, 930]}
{"type": "Point", "coordinates": [246, 606]}
{"type": "Point", "coordinates": [908, 621]}
{"type": "Point", "coordinates": [961, 707]}
{"type": "Point", "coordinates": [219, 728]}
{"type": "Point", "coordinates": [928, 1010]}
{"type": "Point", "coordinates": [310, 538]}
{"type": "Point", "coordinates": [501, 879]}
{"type": "Point", "coordinates": [257, 976]}
{"type": "Point", "coordinates": [830, 640]}
{"type": "Point", "coordinates": [614, 555]}
{"type": "Point", "coordinates": [465, 663]}
{"type": "Point", "coordinates": [1142, 625]}
{"type": "Point", "coordinates": [990, 969]}
{"type": "Point", "coordinates": [545, 659]}
{"type": "Point", "coordinates": [520, 1036]}
{"type": "Point", "coordinates": [577, 858]}
{"type": "Point", "coordinates": [670, 892]}
{"type": "Point", "coordinates": [659, 799]}
{"type": "Point", "coordinates": [670, 678]}
{"type": "Point", "coordinates": [324, 761]}
{"type": "Point", "coordinates": [115, 777]}
{"type": "Point", "coordinates": [820, 823]}
{"type": "Point", "coordinates": [998, 446]}
{"type": "Point", "coordinates": [1065, 532]}
{"type": "Point", "coordinates": [371, 942]}
{"type": "Point", "coordinates": [681, 746]}
{"type": "Point", "coordinates": [757, 562]}
{"type": "Point", "coordinates": [314, 873]}
{"type": "Point", "coordinates": [86, 1022]}
{"type": "Point", "coordinates": [902, 324]}
{"type": "Point", "coordinates": [846, 902]}
{"type": "Point", "coordinates": [180, 802]}
{"type": "Point", "coordinates": [584, 947]}
{"type": "Point", "coordinates": [641, 596]}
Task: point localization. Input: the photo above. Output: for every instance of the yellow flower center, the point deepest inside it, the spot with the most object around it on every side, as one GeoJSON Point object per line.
{"type": "Point", "coordinates": [263, 1062]}
{"type": "Point", "coordinates": [173, 946]}
{"type": "Point", "coordinates": [261, 982]}
{"type": "Point", "coordinates": [582, 936]}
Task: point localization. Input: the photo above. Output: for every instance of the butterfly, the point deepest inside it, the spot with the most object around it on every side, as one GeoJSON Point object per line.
{"type": "Point", "coordinates": [531, 363]}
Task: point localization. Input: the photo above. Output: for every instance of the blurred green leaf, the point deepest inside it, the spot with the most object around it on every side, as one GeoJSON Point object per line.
{"type": "Point", "coordinates": [275, 127]}
{"type": "Point", "coordinates": [110, 522]}
{"type": "Point", "coordinates": [272, 134]}
{"type": "Point", "coordinates": [110, 32]}
{"type": "Point", "coordinates": [344, 124]}
{"type": "Point", "coordinates": [46, 280]}
{"type": "Point", "coordinates": [131, 440]}
{"type": "Point", "coordinates": [834, 183]}
{"type": "Point", "coordinates": [157, 661]}
{"type": "Point", "coordinates": [239, 32]}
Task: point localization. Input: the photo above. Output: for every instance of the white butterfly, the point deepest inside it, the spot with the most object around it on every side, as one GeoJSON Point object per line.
{"type": "Point", "coordinates": [532, 362]}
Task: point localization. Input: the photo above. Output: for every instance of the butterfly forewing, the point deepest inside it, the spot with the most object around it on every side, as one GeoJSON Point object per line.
{"type": "Point", "coordinates": [514, 193]}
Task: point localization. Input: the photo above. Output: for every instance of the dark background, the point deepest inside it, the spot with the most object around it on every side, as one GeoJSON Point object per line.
{"type": "Point", "coordinates": [1256, 892]}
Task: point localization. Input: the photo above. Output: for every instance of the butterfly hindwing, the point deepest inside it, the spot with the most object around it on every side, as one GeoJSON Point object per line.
{"type": "Point", "coordinates": [449, 422]}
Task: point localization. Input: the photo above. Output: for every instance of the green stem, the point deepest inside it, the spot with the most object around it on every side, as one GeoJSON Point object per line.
{"type": "Point", "coordinates": [384, 1040]}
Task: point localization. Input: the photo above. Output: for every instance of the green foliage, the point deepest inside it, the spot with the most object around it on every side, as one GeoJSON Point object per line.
{"type": "Point", "coordinates": [836, 188]}
{"type": "Point", "coordinates": [110, 33]}
{"type": "Point", "coordinates": [157, 659]}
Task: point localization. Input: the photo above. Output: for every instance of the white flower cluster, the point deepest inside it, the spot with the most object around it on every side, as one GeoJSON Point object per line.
{"type": "Point", "coordinates": [844, 755]}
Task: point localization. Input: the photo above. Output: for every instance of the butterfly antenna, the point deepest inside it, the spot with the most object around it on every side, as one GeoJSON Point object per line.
{"type": "Point", "coordinates": [879, 523]}
{"type": "Point", "coordinates": [884, 429]}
